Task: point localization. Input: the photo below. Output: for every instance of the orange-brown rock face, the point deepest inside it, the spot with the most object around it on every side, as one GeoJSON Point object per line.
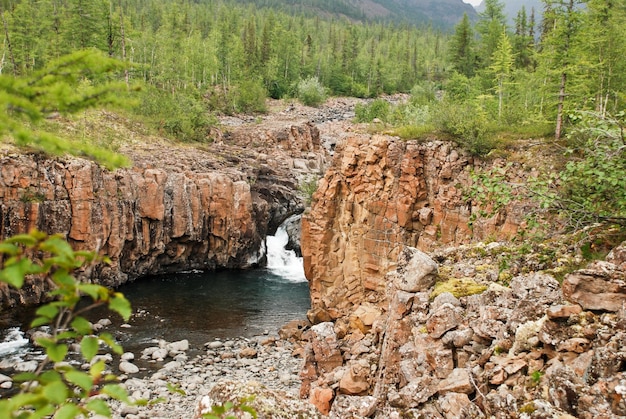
{"type": "Point", "coordinates": [178, 208]}
{"type": "Point", "coordinates": [379, 195]}
{"type": "Point", "coordinates": [145, 220]}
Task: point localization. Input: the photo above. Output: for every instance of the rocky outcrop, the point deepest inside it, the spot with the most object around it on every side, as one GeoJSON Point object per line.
{"type": "Point", "coordinates": [379, 195]}
{"type": "Point", "coordinates": [520, 350]}
{"type": "Point", "coordinates": [177, 208]}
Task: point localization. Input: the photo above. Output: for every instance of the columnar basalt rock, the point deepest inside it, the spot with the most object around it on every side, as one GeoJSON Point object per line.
{"type": "Point", "coordinates": [145, 220]}
{"type": "Point", "coordinates": [379, 195]}
{"type": "Point", "coordinates": [177, 208]}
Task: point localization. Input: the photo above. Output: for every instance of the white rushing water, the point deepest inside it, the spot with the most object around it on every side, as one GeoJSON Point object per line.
{"type": "Point", "coordinates": [13, 342]}
{"type": "Point", "coordinates": [282, 262]}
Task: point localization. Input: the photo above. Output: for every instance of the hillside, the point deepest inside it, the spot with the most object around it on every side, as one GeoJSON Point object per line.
{"type": "Point", "coordinates": [441, 14]}
{"type": "Point", "coordinates": [511, 7]}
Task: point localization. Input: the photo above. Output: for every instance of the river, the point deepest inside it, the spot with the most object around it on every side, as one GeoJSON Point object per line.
{"type": "Point", "coordinates": [203, 306]}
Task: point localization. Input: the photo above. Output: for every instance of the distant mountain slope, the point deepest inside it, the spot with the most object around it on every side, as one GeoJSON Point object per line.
{"type": "Point", "coordinates": [511, 7]}
{"type": "Point", "coordinates": [442, 14]}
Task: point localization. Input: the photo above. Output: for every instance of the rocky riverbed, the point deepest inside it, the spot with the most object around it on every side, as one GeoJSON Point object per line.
{"type": "Point", "coordinates": [264, 366]}
{"type": "Point", "coordinates": [267, 363]}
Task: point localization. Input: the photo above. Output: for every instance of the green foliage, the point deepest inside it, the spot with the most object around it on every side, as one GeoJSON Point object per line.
{"type": "Point", "coordinates": [377, 109]}
{"type": "Point", "coordinates": [593, 182]}
{"type": "Point", "coordinates": [492, 190]}
{"type": "Point", "coordinates": [183, 116]}
{"type": "Point", "coordinates": [311, 92]}
{"type": "Point", "coordinates": [462, 54]}
{"type": "Point", "coordinates": [308, 188]}
{"type": "Point", "coordinates": [230, 410]}
{"type": "Point", "coordinates": [413, 132]}
{"type": "Point", "coordinates": [67, 85]}
{"type": "Point", "coordinates": [190, 50]}
{"type": "Point", "coordinates": [459, 88]}
{"type": "Point", "coordinates": [535, 376]}
{"type": "Point", "coordinates": [502, 61]}
{"type": "Point", "coordinates": [423, 94]}
{"type": "Point", "coordinates": [468, 124]}
{"type": "Point", "coordinates": [56, 388]}
{"type": "Point", "coordinates": [251, 97]}
{"type": "Point", "coordinates": [589, 190]}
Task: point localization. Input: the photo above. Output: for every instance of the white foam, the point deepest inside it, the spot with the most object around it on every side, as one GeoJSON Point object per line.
{"type": "Point", "coordinates": [283, 262]}
{"type": "Point", "coordinates": [13, 342]}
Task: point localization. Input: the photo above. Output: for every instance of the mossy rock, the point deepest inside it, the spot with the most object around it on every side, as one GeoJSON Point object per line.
{"type": "Point", "coordinates": [459, 287]}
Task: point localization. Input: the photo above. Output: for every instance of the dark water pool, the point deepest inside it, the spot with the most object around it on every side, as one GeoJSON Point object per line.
{"type": "Point", "coordinates": [203, 306]}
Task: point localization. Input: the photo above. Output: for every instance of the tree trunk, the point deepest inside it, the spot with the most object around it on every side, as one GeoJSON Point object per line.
{"type": "Point", "coordinates": [559, 111]}
{"type": "Point", "coordinates": [123, 41]}
{"type": "Point", "coordinates": [500, 94]}
{"type": "Point", "coordinates": [8, 39]}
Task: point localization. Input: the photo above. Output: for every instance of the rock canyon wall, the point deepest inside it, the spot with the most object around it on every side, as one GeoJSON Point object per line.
{"type": "Point", "coordinates": [177, 208]}
{"type": "Point", "coordinates": [379, 195]}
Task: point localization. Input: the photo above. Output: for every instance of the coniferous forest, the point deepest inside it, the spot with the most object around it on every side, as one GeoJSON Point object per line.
{"type": "Point", "coordinates": [227, 56]}
{"type": "Point", "coordinates": [482, 82]}
{"type": "Point", "coordinates": [553, 82]}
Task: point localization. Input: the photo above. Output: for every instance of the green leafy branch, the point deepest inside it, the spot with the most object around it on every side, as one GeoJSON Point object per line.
{"type": "Point", "coordinates": [56, 388]}
{"type": "Point", "coordinates": [26, 101]}
{"type": "Point", "coordinates": [230, 410]}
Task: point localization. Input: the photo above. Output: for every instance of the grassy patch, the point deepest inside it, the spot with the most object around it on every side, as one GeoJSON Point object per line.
{"type": "Point", "coordinates": [414, 132]}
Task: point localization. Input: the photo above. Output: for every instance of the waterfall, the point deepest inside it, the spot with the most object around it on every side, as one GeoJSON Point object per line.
{"type": "Point", "coordinates": [280, 261]}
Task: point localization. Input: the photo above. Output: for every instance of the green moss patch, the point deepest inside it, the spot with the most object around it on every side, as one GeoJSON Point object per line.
{"type": "Point", "coordinates": [459, 287]}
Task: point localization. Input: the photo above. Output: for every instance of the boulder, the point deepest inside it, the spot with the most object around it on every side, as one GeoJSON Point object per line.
{"type": "Point", "coordinates": [294, 329]}
{"type": "Point", "coordinates": [416, 271]}
{"type": "Point", "coordinates": [418, 391]}
{"type": "Point", "coordinates": [364, 317]}
{"type": "Point", "coordinates": [322, 398]}
{"type": "Point", "coordinates": [325, 347]}
{"type": "Point", "coordinates": [445, 318]}
{"type": "Point", "coordinates": [601, 286]}
{"type": "Point", "coordinates": [355, 380]}
{"type": "Point", "coordinates": [177, 347]}
{"type": "Point", "coordinates": [248, 352]}
{"type": "Point", "coordinates": [457, 382]}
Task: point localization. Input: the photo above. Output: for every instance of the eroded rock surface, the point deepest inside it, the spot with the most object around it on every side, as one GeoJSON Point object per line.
{"type": "Point", "coordinates": [177, 208]}
{"type": "Point", "coordinates": [517, 349]}
{"type": "Point", "coordinates": [379, 195]}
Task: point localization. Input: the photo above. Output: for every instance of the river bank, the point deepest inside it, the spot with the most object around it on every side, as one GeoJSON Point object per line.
{"type": "Point", "coordinates": [175, 383]}
{"type": "Point", "coordinates": [181, 383]}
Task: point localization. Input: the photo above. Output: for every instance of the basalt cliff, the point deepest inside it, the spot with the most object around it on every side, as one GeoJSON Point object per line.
{"type": "Point", "coordinates": [177, 208]}
{"type": "Point", "coordinates": [380, 195]}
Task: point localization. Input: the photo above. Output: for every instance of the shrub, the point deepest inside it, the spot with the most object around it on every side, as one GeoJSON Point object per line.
{"type": "Point", "coordinates": [250, 97]}
{"type": "Point", "coordinates": [378, 108]}
{"type": "Point", "coordinates": [412, 132]}
{"type": "Point", "coordinates": [423, 93]}
{"type": "Point", "coordinates": [184, 116]}
{"type": "Point", "coordinates": [468, 124]}
{"type": "Point", "coordinates": [593, 182]}
{"type": "Point", "coordinates": [459, 88]}
{"type": "Point", "coordinates": [311, 92]}
{"type": "Point", "coordinates": [307, 188]}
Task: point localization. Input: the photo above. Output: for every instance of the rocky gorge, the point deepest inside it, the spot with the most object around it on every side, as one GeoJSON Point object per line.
{"type": "Point", "coordinates": [177, 208]}
{"type": "Point", "coordinates": [414, 313]}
